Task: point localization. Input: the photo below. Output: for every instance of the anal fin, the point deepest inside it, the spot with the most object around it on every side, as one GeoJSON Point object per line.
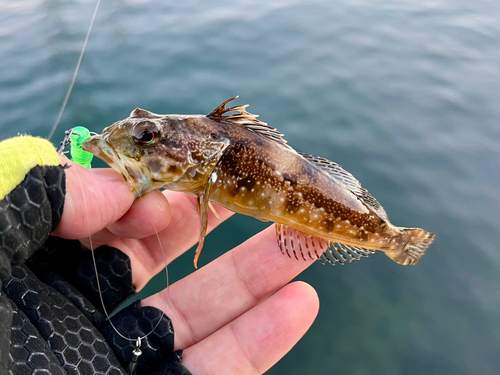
{"type": "Point", "coordinates": [297, 244]}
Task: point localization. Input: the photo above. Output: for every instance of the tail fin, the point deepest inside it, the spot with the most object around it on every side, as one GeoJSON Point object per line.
{"type": "Point", "coordinates": [416, 242]}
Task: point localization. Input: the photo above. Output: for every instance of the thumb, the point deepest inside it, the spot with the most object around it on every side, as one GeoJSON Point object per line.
{"type": "Point", "coordinates": [94, 199]}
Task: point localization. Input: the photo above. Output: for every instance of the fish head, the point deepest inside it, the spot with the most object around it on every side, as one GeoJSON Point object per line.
{"type": "Point", "coordinates": [151, 151]}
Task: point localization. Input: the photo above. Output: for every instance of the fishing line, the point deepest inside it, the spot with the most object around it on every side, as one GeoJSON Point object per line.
{"type": "Point", "coordinates": [65, 102]}
{"type": "Point", "coordinates": [84, 158]}
{"type": "Point", "coordinates": [138, 340]}
{"type": "Point", "coordinates": [75, 140]}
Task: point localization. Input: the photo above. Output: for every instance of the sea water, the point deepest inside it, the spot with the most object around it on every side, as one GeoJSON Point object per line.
{"type": "Point", "coordinates": [403, 94]}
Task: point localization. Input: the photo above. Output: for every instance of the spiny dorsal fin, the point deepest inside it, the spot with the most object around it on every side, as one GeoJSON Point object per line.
{"type": "Point", "coordinates": [349, 181]}
{"type": "Point", "coordinates": [247, 120]}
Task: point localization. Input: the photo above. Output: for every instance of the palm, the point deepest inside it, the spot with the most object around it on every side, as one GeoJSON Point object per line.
{"type": "Point", "coordinates": [235, 315]}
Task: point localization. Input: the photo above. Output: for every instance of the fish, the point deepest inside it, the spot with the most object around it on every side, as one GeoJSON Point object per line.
{"type": "Point", "coordinates": [229, 157]}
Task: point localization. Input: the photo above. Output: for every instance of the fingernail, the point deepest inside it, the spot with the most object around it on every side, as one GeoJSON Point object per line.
{"type": "Point", "coordinates": [107, 174]}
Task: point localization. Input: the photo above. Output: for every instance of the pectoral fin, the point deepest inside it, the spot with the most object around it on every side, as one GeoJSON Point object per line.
{"type": "Point", "coordinates": [212, 208]}
{"type": "Point", "coordinates": [203, 207]}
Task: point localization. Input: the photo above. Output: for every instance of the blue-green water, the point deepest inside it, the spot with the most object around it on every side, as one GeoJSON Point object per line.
{"type": "Point", "coordinates": [404, 94]}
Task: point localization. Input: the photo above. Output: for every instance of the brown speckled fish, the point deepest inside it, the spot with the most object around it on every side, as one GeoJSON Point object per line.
{"type": "Point", "coordinates": [229, 157]}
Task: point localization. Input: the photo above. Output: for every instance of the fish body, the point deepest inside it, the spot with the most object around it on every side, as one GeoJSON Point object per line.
{"type": "Point", "coordinates": [231, 158]}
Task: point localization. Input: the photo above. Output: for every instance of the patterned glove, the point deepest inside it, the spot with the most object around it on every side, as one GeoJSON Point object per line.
{"type": "Point", "coordinates": [51, 319]}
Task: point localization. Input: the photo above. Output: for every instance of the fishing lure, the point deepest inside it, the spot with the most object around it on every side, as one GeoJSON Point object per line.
{"type": "Point", "coordinates": [229, 157]}
{"type": "Point", "coordinates": [75, 138]}
{"type": "Point", "coordinates": [79, 135]}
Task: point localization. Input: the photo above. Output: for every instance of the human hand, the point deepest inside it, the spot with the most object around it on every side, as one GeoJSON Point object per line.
{"type": "Point", "coordinates": [234, 315]}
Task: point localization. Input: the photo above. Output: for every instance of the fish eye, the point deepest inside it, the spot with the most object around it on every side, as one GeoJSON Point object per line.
{"type": "Point", "coordinates": [146, 133]}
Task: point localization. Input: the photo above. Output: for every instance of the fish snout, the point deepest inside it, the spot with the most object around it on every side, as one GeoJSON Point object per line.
{"type": "Point", "coordinates": [97, 146]}
{"type": "Point", "coordinates": [92, 144]}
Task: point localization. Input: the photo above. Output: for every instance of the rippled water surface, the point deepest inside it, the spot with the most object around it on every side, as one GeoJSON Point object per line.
{"type": "Point", "coordinates": [403, 94]}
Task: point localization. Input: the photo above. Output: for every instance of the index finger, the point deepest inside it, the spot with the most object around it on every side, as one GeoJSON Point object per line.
{"type": "Point", "coordinates": [94, 199]}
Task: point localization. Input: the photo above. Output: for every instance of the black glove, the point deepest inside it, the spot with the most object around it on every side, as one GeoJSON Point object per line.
{"type": "Point", "coordinates": [50, 308]}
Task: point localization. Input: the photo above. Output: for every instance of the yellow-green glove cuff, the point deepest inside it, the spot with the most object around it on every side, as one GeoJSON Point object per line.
{"type": "Point", "coordinates": [19, 155]}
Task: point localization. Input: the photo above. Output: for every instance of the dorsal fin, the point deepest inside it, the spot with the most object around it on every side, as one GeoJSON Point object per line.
{"type": "Point", "coordinates": [247, 120]}
{"type": "Point", "coordinates": [349, 181]}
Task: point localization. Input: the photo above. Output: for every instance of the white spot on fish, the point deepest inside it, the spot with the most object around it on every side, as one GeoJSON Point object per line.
{"type": "Point", "coordinates": [213, 178]}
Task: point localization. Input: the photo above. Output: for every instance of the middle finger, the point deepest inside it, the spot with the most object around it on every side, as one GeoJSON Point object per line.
{"type": "Point", "coordinates": [211, 297]}
{"type": "Point", "coordinates": [149, 255]}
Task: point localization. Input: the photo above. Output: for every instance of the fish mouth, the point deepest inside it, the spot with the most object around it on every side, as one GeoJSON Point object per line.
{"type": "Point", "coordinates": [131, 170]}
